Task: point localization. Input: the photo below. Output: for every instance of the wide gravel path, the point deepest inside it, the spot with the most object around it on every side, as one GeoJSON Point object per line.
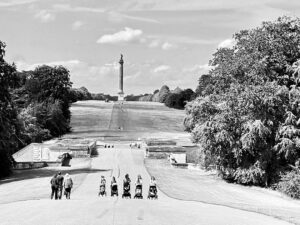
{"type": "Point", "coordinates": [85, 207]}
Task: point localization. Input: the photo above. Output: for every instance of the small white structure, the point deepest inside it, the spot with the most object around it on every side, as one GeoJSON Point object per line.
{"type": "Point", "coordinates": [51, 151]}
{"type": "Point", "coordinates": [177, 158]}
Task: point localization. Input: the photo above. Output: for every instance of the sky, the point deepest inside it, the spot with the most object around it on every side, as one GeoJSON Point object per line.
{"type": "Point", "coordinates": [163, 41]}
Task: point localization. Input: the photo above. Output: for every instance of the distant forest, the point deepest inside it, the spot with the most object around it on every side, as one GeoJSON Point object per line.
{"type": "Point", "coordinates": [176, 98]}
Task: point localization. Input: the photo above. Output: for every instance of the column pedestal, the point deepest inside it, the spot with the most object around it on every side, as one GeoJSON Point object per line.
{"type": "Point", "coordinates": [121, 97]}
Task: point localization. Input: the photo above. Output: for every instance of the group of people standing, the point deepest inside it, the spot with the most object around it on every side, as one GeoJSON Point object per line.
{"type": "Point", "coordinates": [60, 183]}
{"type": "Point", "coordinates": [126, 186]}
{"type": "Point", "coordinates": [63, 184]}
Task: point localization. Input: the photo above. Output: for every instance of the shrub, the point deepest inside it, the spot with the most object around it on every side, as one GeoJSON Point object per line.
{"type": "Point", "coordinates": [251, 176]}
{"type": "Point", "coordinates": [290, 183]}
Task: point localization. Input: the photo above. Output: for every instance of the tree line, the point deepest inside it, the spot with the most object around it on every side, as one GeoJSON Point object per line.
{"type": "Point", "coordinates": [176, 98]}
{"type": "Point", "coordinates": [246, 116]}
{"type": "Point", "coordinates": [81, 94]}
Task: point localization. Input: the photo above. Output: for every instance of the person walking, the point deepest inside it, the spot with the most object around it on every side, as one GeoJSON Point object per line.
{"type": "Point", "coordinates": [60, 181]}
{"type": "Point", "coordinates": [68, 184]}
{"type": "Point", "coordinates": [54, 186]}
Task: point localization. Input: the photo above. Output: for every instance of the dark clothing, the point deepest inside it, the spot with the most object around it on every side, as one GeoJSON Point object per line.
{"type": "Point", "coordinates": [54, 187]}
{"type": "Point", "coordinates": [59, 192]}
{"type": "Point", "coordinates": [54, 182]}
{"type": "Point", "coordinates": [68, 193]}
{"type": "Point", "coordinates": [60, 180]}
{"type": "Point", "coordinates": [54, 192]}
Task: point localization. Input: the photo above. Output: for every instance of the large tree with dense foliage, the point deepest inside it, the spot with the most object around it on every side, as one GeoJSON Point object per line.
{"type": "Point", "coordinates": [49, 91]}
{"type": "Point", "coordinates": [9, 129]}
{"type": "Point", "coordinates": [178, 99]}
{"type": "Point", "coordinates": [247, 114]}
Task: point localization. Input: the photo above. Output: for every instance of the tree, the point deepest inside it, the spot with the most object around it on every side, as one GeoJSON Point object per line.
{"type": "Point", "coordinates": [178, 100]}
{"type": "Point", "coordinates": [52, 104]}
{"type": "Point", "coordinates": [31, 129]}
{"type": "Point", "coordinates": [267, 53]}
{"type": "Point", "coordinates": [163, 93]}
{"type": "Point", "coordinates": [247, 114]}
{"type": "Point", "coordinates": [174, 100]}
{"type": "Point", "coordinates": [9, 129]}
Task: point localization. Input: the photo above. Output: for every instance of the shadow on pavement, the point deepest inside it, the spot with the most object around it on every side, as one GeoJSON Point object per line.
{"type": "Point", "coordinates": [47, 172]}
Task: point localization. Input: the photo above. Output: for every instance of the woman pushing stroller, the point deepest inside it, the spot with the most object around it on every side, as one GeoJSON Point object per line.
{"type": "Point", "coordinates": [139, 187]}
{"type": "Point", "coordinates": [152, 194]}
{"type": "Point", "coordinates": [126, 187]}
{"type": "Point", "coordinates": [114, 187]}
{"type": "Point", "coordinates": [102, 191]}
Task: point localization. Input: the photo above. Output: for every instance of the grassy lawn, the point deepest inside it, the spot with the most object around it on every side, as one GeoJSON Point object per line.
{"type": "Point", "coordinates": [196, 185]}
{"type": "Point", "coordinates": [129, 121]}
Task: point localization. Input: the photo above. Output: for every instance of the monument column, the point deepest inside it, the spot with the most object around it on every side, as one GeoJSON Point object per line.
{"type": "Point", "coordinates": [121, 92]}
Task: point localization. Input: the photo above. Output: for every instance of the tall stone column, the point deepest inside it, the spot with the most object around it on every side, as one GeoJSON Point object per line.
{"type": "Point", "coordinates": [121, 91]}
{"type": "Point", "coordinates": [121, 75]}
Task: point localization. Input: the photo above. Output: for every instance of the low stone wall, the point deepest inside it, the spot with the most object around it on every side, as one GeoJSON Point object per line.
{"type": "Point", "coordinates": [163, 152]}
{"type": "Point", "coordinates": [159, 142]}
{"type": "Point", "coordinates": [35, 165]}
{"type": "Point", "coordinates": [170, 149]}
{"type": "Point", "coordinates": [29, 165]}
{"type": "Point", "coordinates": [157, 155]}
{"type": "Point", "coordinates": [54, 164]}
{"type": "Point", "coordinates": [180, 165]}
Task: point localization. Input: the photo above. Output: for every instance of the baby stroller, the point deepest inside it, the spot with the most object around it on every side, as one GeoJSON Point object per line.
{"type": "Point", "coordinates": [152, 194]}
{"type": "Point", "coordinates": [126, 190]}
{"type": "Point", "coordinates": [102, 191]}
{"type": "Point", "coordinates": [114, 190]}
{"type": "Point", "coordinates": [138, 191]}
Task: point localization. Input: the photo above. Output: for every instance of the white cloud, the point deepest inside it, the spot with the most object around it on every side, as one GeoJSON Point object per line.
{"type": "Point", "coordinates": [106, 69]}
{"type": "Point", "coordinates": [113, 16]}
{"type": "Point", "coordinates": [45, 16]}
{"type": "Point", "coordinates": [118, 17]}
{"type": "Point", "coordinates": [159, 5]}
{"type": "Point", "coordinates": [157, 43]}
{"type": "Point", "coordinates": [77, 25]}
{"type": "Point", "coordinates": [154, 43]}
{"type": "Point", "coordinates": [69, 8]}
{"type": "Point", "coordinates": [126, 35]}
{"type": "Point", "coordinates": [8, 3]}
{"type": "Point", "coordinates": [177, 39]}
{"type": "Point", "coordinates": [161, 68]}
{"type": "Point", "coordinates": [198, 69]}
{"type": "Point", "coordinates": [167, 46]}
{"type": "Point", "coordinates": [228, 43]}
{"type": "Point", "coordinates": [69, 64]}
